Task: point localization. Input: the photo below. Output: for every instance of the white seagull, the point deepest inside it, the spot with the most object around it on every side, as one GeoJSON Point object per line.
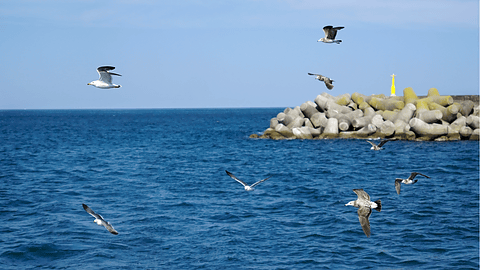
{"type": "Point", "coordinates": [379, 146]}
{"type": "Point", "coordinates": [365, 206]}
{"type": "Point", "coordinates": [99, 219]}
{"type": "Point", "coordinates": [408, 181]}
{"type": "Point", "coordinates": [247, 187]}
{"type": "Point", "coordinates": [328, 81]}
{"type": "Point", "coordinates": [330, 33]}
{"type": "Point", "coordinates": [105, 80]}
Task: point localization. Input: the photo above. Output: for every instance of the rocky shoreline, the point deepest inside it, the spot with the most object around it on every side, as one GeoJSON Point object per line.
{"type": "Point", "coordinates": [407, 117]}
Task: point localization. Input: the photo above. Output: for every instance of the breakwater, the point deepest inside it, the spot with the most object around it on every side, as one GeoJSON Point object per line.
{"type": "Point", "coordinates": [407, 117]}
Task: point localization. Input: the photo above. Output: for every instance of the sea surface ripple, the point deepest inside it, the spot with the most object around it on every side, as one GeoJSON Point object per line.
{"type": "Point", "coordinates": [159, 177]}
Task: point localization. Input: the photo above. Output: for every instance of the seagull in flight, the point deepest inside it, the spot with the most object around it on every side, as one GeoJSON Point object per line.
{"type": "Point", "coordinates": [330, 33]}
{"type": "Point", "coordinates": [408, 181]}
{"type": "Point", "coordinates": [99, 220]}
{"type": "Point", "coordinates": [247, 187]}
{"type": "Point", "coordinates": [365, 206]}
{"type": "Point", "coordinates": [379, 146]}
{"type": "Point", "coordinates": [328, 81]}
{"type": "Point", "coordinates": [105, 80]}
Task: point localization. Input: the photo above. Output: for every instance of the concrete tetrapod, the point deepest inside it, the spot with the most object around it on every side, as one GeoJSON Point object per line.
{"type": "Point", "coordinates": [427, 130]}
{"type": "Point", "coordinates": [332, 127]}
{"type": "Point", "coordinates": [473, 121]}
{"type": "Point", "coordinates": [360, 116]}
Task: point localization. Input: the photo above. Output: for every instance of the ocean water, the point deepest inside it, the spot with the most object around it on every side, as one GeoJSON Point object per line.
{"type": "Point", "coordinates": [159, 177]}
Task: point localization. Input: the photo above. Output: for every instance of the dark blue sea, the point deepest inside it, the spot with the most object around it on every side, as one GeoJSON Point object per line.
{"type": "Point", "coordinates": [158, 176]}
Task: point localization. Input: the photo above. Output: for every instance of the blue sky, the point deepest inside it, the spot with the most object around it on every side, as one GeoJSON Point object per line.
{"type": "Point", "coordinates": [230, 53]}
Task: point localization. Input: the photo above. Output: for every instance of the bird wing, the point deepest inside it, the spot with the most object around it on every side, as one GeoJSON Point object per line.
{"type": "Point", "coordinates": [109, 227]}
{"type": "Point", "coordinates": [314, 74]}
{"type": "Point", "coordinates": [105, 76]}
{"type": "Point", "coordinates": [383, 142]}
{"type": "Point", "coordinates": [238, 180]}
{"type": "Point", "coordinates": [327, 29]}
{"type": "Point", "coordinates": [332, 33]}
{"type": "Point", "coordinates": [260, 182]}
{"type": "Point", "coordinates": [91, 212]}
{"type": "Point", "coordinates": [328, 83]}
{"type": "Point", "coordinates": [105, 68]}
{"type": "Point", "coordinates": [363, 214]}
{"type": "Point", "coordinates": [371, 143]}
{"type": "Point", "coordinates": [362, 194]}
{"type": "Point", "coordinates": [414, 174]}
{"type": "Point", "coordinates": [97, 216]}
{"type": "Point", "coordinates": [320, 77]}
{"type": "Point", "coordinates": [398, 185]}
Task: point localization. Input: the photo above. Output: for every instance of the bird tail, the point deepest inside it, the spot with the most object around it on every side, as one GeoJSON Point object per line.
{"type": "Point", "coordinates": [379, 205]}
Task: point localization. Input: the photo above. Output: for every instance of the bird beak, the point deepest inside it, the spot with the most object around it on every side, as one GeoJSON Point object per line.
{"type": "Point", "coordinates": [88, 83]}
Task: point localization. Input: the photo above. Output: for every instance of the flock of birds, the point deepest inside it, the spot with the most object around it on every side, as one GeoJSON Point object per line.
{"type": "Point", "coordinates": [105, 80]}
{"type": "Point", "coordinates": [365, 206]}
{"type": "Point", "coordinates": [363, 202]}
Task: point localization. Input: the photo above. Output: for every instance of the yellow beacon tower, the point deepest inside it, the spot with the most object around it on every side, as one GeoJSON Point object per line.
{"type": "Point", "coordinates": [392, 92]}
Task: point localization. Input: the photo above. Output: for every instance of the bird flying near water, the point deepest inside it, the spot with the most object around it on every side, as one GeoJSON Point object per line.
{"type": "Point", "coordinates": [379, 145]}
{"type": "Point", "coordinates": [408, 181]}
{"type": "Point", "coordinates": [247, 187]}
{"type": "Point", "coordinates": [99, 220]}
{"type": "Point", "coordinates": [365, 206]}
